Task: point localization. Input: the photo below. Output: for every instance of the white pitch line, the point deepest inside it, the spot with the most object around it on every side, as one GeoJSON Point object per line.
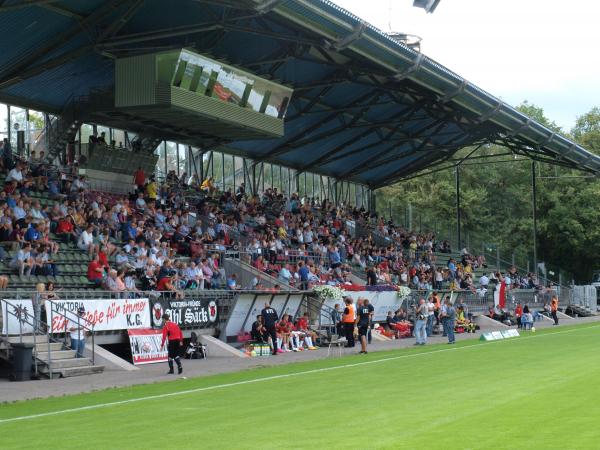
{"type": "Point", "coordinates": [274, 377]}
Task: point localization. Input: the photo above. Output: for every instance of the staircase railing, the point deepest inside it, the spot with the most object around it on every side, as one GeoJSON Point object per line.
{"type": "Point", "coordinates": [82, 322]}
{"type": "Point", "coordinates": [22, 319]}
{"type": "Point", "coordinates": [314, 304]}
{"type": "Point", "coordinates": [40, 328]}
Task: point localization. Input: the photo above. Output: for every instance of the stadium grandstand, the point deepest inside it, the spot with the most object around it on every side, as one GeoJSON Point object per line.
{"type": "Point", "coordinates": [206, 157]}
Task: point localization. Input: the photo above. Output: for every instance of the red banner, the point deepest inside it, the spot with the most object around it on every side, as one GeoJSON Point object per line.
{"type": "Point", "coordinates": [145, 346]}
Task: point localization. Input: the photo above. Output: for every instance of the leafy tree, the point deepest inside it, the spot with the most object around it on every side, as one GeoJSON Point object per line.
{"type": "Point", "coordinates": [496, 207]}
{"type": "Point", "coordinates": [587, 130]}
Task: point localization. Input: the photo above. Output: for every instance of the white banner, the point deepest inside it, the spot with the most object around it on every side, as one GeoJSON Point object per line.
{"type": "Point", "coordinates": [104, 314]}
{"type": "Point", "coordinates": [382, 302]}
{"type": "Point", "coordinates": [17, 317]}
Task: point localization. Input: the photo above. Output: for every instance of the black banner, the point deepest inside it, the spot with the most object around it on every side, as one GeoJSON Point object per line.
{"type": "Point", "coordinates": [200, 313]}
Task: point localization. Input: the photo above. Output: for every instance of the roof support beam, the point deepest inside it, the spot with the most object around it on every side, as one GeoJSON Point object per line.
{"type": "Point", "coordinates": [266, 6]}
{"type": "Point", "coordinates": [284, 146]}
{"type": "Point", "coordinates": [18, 71]}
{"type": "Point", "coordinates": [50, 64]}
{"type": "Point", "coordinates": [405, 114]}
{"type": "Point", "coordinates": [326, 134]}
{"type": "Point", "coordinates": [459, 90]}
{"type": "Point", "coordinates": [170, 32]}
{"type": "Point", "coordinates": [121, 20]}
{"type": "Point", "coordinates": [378, 161]}
{"type": "Point", "coordinates": [348, 40]}
{"type": "Point", "coordinates": [449, 147]}
{"type": "Point", "coordinates": [312, 102]}
{"type": "Point", "coordinates": [231, 4]}
{"type": "Point", "coordinates": [26, 4]}
{"type": "Point", "coordinates": [62, 11]}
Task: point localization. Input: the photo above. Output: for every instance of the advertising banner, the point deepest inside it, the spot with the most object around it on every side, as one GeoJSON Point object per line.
{"type": "Point", "coordinates": [382, 302]}
{"type": "Point", "coordinates": [17, 317]}
{"type": "Point", "coordinates": [104, 314]}
{"type": "Point", "coordinates": [145, 346]}
{"type": "Point", "coordinates": [200, 313]}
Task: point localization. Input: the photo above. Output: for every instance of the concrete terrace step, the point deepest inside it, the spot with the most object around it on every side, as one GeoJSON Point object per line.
{"type": "Point", "coordinates": [69, 363]}
{"type": "Point", "coordinates": [79, 371]}
{"type": "Point", "coordinates": [56, 355]}
{"type": "Point", "coordinates": [42, 347]}
{"type": "Point", "coordinates": [29, 339]}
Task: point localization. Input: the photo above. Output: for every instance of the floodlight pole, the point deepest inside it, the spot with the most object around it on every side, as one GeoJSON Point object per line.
{"type": "Point", "coordinates": [458, 227]}
{"type": "Point", "coordinates": [534, 215]}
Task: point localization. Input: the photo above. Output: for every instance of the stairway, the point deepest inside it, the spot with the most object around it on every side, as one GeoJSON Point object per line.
{"type": "Point", "coordinates": [54, 359]}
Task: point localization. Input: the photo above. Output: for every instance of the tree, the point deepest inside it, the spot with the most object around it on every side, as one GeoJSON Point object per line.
{"type": "Point", "coordinates": [587, 130]}
{"type": "Point", "coordinates": [496, 208]}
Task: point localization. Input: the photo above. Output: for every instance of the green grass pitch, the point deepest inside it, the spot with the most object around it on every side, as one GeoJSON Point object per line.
{"type": "Point", "coordinates": [538, 391]}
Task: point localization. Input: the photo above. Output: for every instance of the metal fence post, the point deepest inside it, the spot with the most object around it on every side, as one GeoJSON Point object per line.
{"type": "Point", "coordinates": [497, 258]}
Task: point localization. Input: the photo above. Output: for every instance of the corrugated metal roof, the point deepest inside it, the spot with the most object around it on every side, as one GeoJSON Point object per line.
{"type": "Point", "coordinates": [366, 108]}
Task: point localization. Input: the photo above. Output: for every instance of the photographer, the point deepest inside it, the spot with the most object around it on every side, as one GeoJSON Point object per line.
{"type": "Point", "coordinates": [421, 314]}
{"type": "Point", "coordinates": [448, 318]}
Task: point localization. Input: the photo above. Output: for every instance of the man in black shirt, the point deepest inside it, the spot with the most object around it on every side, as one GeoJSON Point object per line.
{"type": "Point", "coordinates": [259, 332]}
{"type": "Point", "coordinates": [270, 318]}
{"type": "Point", "coordinates": [363, 320]}
{"type": "Point", "coordinates": [371, 277]}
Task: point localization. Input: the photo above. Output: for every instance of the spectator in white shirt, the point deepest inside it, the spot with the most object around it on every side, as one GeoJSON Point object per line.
{"type": "Point", "coordinates": [15, 174]}
{"type": "Point", "coordinates": [484, 281]}
{"type": "Point", "coordinates": [23, 261]}
{"type": "Point", "coordinates": [193, 276]}
{"type": "Point", "coordinates": [86, 240]}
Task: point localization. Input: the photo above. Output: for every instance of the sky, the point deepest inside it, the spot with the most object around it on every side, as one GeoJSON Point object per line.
{"type": "Point", "coordinates": [542, 51]}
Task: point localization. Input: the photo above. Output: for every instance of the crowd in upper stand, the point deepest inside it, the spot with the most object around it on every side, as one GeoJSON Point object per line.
{"type": "Point", "coordinates": [171, 236]}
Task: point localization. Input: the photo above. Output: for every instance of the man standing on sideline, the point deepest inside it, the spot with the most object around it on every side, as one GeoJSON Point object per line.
{"type": "Point", "coordinates": [348, 321]}
{"type": "Point", "coordinates": [172, 331]}
{"type": "Point", "coordinates": [422, 314]}
{"type": "Point", "coordinates": [270, 318]}
{"type": "Point", "coordinates": [449, 320]}
{"type": "Point", "coordinates": [430, 317]}
{"type": "Point", "coordinates": [442, 315]}
{"type": "Point", "coordinates": [77, 331]}
{"type": "Point", "coordinates": [363, 321]}
{"type": "Point", "coordinates": [336, 319]}
{"type": "Point", "coordinates": [554, 309]}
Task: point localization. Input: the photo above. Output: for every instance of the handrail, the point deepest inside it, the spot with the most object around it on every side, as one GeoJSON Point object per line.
{"type": "Point", "coordinates": [266, 276]}
{"type": "Point", "coordinates": [36, 325]}
{"type": "Point", "coordinates": [89, 329]}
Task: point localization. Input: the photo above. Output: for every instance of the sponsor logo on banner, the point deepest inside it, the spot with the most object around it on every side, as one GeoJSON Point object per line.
{"type": "Point", "coordinates": [157, 313]}
{"type": "Point", "coordinates": [212, 311]}
{"type": "Point", "coordinates": [145, 346]}
{"type": "Point", "coordinates": [185, 313]}
{"type": "Point", "coordinates": [17, 317]}
{"type": "Point", "coordinates": [103, 314]}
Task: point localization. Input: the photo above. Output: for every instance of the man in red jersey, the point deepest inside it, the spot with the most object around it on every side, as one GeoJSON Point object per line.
{"type": "Point", "coordinates": [172, 331]}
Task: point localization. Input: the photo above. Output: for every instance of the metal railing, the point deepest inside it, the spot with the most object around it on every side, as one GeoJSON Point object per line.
{"type": "Point", "coordinates": [41, 328]}
{"type": "Point", "coordinates": [530, 297]}
{"type": "Point", "coordinates": [22, 318]}
{"type": "Point", "coordinates": [56, 309]}
{"type": "Point", "coordinates": [316, 306]}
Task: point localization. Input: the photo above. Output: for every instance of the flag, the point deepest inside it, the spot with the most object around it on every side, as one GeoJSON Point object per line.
{"type": "Point", "coordinates": [500, 295]}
